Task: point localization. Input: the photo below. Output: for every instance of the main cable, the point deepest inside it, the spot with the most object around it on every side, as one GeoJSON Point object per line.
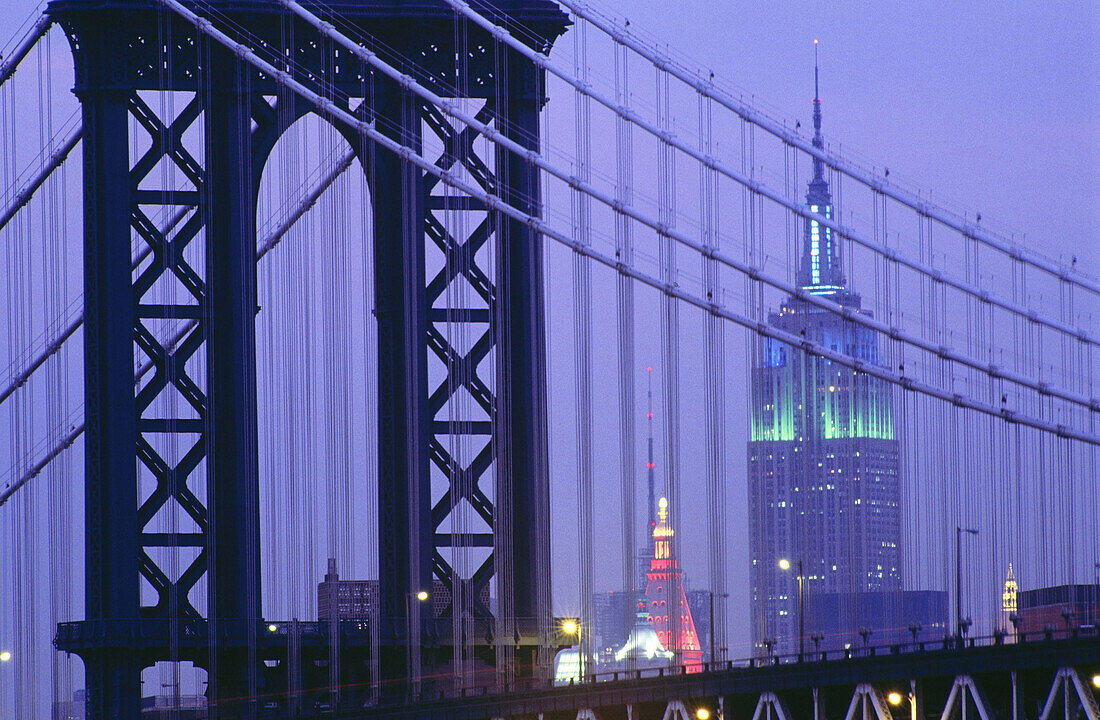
{"type": "Point", "coordinates": [664, 227]}
{"type": "Point", "coordinates": [327, 107]}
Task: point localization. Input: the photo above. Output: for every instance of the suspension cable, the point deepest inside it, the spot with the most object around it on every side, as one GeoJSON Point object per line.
{"type": "Point", "coordinates": [267, 245]}
{"type": "Point", "coordinates": [8, 67]}
{"type": "Point", "coordinates": [920, 205]}
{"type": "Point", "coordinates": [664, 228]}
{"type": "Point", "coordinates": [327, 107]}
{"type": "Point", "coordinates": [52, 163]}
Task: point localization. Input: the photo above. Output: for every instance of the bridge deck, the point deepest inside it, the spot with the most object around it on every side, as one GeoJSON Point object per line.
{"type": "Point", "coordinates": [740, 681]}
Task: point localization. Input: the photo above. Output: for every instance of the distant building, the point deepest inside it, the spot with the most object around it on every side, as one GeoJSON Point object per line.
{"type": "Point", "coordinates": [345, 599]}
{"type": "Point", "coordinates": [823, 459]}
{"type": "Point", "coordinates": [699, 602]}
{"type": "Point", "coordinates": [71, 709]}
{"type": "Point", "coordinates": [836, 621]}
{"type": "Point", "coordinates": [1009, 606]}
{"type": "Point", "coordinates": [157, 707]}
{"type": "Point", "coordinates": [1059, 608]}
{"type": "Point", "coordinates": [612, 619]}
{"type": "Point", "coordinates": [643, 648]}
{"type": "Point", "coordinates": [358, 599]}
{"type": "Point", "coordinates": [170, 707]}
{"type": "Point", "coordinates": [667, 603]}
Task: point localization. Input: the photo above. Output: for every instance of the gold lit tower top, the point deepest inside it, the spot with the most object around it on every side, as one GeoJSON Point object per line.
{"type": "Point", "coordinates": [662, 533]}
{"type": "Point", "coordinates": [1008, 595]}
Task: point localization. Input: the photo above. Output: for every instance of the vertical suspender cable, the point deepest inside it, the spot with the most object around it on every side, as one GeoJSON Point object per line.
{"type": "Point", "coordinates": [714, 400]}
{"type": "Point", "coordinates": [582, 338]}
{"type": "Point", "coordinates": [670, 333]}
{"type": "Point", "coordinates": [624, 250]}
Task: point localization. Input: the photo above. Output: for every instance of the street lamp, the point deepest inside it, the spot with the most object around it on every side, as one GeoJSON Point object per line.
{"type": "Point", "coordinates": [895, 698]}
{"type": "Point", "coordinates": [420, 596]}
{"type": "Point", "coordinates": [958, 578]}
{"type": "Point", "coordinates": [785, 564]}
{"type": "Point", "coordinates": [5, 656]}
{"type": "Point", "coordinates": [571, 627]}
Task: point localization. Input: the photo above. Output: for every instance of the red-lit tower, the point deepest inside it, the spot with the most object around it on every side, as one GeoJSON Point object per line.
{"type": "Point", "coordinates": [665, 596]}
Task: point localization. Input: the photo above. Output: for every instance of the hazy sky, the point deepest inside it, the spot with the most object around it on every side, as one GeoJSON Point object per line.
{"type": "Point", "coordinates": [990, 107]}
{"type": "Point", "coordinates": [994, 106]}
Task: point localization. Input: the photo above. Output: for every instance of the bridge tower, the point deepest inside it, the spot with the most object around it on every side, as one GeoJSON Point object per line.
{"type": "Point", "coordinates": [201, 464]}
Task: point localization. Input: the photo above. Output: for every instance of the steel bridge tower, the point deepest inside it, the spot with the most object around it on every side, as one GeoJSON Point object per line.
{"type": "Point", "coordinates": [124, 47]}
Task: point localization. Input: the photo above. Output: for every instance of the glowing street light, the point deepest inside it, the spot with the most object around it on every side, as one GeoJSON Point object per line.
{"type": "Point", "coordinates": [272, 627]}
{"type": "Point", "coordinates": [702, 714]}
{"type": "Point", "coordinates": [1095, 678]}
{"type": "Point", "coordinates": [570, 627]}
{"type": "Point", "coordinates": [895, 698]}
{"type": "Point", "coordinates": [422, 595]}
{"type": "Point", "coordinates": [5, 656]}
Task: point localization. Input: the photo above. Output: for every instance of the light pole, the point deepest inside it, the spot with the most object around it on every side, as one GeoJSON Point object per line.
{"type": "Point", "coordinates": [895, 698]}
{"type": "Point", "coordinates": [413, 684]}
{"type": "Point", "coordinates": [712, 594]}
{"type": "Point", "coordinates": [785, 564]}
{"type": "Point", "coordinates": [571, 627]}
{"type": "Point", "coordinates": [958, 578]}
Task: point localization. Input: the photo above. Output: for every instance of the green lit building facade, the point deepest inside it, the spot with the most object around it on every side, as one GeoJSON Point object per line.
{"type": "Point", "coordinates": [823, 459]}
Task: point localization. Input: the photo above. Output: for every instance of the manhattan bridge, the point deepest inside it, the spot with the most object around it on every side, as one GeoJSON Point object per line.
{"type": "Point", "coordinates": [378, 281]}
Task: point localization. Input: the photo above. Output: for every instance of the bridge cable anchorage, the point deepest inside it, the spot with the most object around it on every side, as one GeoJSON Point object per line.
{"type": "Point", "coordinates": [779, 198]}
{"type": "Point", "coordinates": [663, 228]}
{"type": "Point", "coordinates": [9, 66]}
{"type": "Point", "coordinates": [265, 247]}
{"type": "Point", "coordinates": [368, 131]}
{"type": "Point", "coordinates": [833, 160]}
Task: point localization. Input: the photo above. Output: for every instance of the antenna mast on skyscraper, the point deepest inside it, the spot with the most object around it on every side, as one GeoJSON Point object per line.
{"type": "Point", "coordinates": [651, 466]}
{"type": "Point", "coordinates": [819, 141]}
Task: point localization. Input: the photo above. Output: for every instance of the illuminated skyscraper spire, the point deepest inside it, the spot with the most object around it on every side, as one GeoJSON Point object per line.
{"type": "Point", "coordinates": [666, 600]}
{"type": "Point", "coordinates": [819, 141]}
{"type": "Point", "coordinates": [820, 270]}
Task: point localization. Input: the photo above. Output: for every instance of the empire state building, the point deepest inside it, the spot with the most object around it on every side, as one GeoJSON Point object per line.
{"type": "Point", "coordinates": [823, 461]}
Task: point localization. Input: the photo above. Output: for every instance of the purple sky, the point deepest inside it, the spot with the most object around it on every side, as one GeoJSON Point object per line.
{"type": "Point", "coordinates": [993, 107]}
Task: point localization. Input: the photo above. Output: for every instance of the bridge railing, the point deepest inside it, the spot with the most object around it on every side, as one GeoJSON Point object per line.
{"type": "Point", "coordinates": [949, 642]}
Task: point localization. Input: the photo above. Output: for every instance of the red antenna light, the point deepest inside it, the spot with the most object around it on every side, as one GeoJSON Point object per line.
{"type": "Point", "coordinates": [649, 368]}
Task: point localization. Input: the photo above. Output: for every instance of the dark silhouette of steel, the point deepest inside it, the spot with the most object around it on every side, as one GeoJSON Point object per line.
{"type": "Point", "coordinates": [119, 49]}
